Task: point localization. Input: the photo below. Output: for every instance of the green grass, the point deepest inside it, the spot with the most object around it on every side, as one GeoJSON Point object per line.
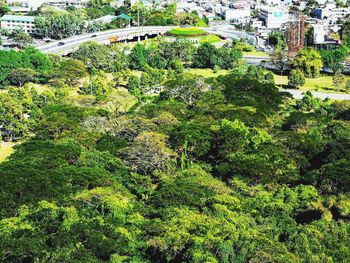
{"type": "Point", "coordinates": [6, 149]}
{"type": "Point", "coordinates": [210, 39]}
{"type": "Point", "coordinates": [186, 31]}
{"type": "Point", "coordinates": [255, 54]}
{"type": "Point", "coordinates": [322, 83]}
{"type": "Point", "coordinates": [207, 72]}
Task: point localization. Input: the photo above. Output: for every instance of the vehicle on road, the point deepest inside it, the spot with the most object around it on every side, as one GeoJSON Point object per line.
{"type": "Point", "coordinates": [61, 43]}
{"type": "Point", "coordinates": [94, 35]}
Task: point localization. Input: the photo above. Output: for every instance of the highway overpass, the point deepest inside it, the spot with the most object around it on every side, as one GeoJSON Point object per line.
{"type": "Point", "coordinates": [125, 34]}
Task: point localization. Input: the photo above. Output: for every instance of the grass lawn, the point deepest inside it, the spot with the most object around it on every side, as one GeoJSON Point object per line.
{"type": "Point", "coordinates": [255, 54]}
{"type": "Point", "coordinates": [186, 31]}
{"type": "Point", "coordinates": [6, 149]}
{"type": "Point", "coordinates": [322, 83]}
{"type": "Point", "coordinates": [210, 39]}
{"type": "Point", "coordinates": [207, 72]}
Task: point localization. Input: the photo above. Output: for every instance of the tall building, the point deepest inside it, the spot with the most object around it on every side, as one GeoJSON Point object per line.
{"type": "Point", "coordinates": [273, 17]}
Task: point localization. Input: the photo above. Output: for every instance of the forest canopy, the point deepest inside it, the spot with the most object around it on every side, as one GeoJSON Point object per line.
{"type": "Point", "coordinates": [196, 169]}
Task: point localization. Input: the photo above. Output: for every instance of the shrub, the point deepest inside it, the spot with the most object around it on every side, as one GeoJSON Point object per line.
{"type": "Point", "coordinates": [296, 78]}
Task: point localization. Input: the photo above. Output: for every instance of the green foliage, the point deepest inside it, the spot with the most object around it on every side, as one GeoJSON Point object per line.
{"type": "Point", "coordinates": [21, 76]}
{"type": "Point", "coordinates": [186, 88]}
{"type": "Point", "coordinates": [296, 78]}
{"type": "Point", "coordinates": [29, 58]}
{"type": "Point", "coordinates": [333, 58]}
{"type": "Point", "coordinates": [95, 56]}
{"type": "Point", "coordinates": [276, 38]}
{"type": "Point", "coordinates": [71, 71]}
{"type": "Point", "coordinates": [309, 61]}
{"type": "Point", "coordinates": [60, 25]}
{"type": "Point", "coordinates": [225, 169]}
{"type": "Point", "coordinates": [186, 31]}
{"type": "Point", "coordinates": [98, 85]}
{"type": "Point", "coordinates": [138, 57]}
{"type": "Point", "coordinates": [22, 39]}
{"type": "Point", "coordinates": [208, 56]}
{"type": "Point", "coordinates": [338, 79]}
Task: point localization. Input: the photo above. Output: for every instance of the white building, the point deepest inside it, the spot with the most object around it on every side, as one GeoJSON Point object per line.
{"type": "Point", "coordinates": [35, 4]}
{"type": "Point", "coordinates": [63, 4]}
{"type": "Point", "coordinates": [331, 12]}
{"type": "Point", "coordinates": [256, 23]}
{"type": "Point", "coordinates": [326, 34]}
{"type": "Point", "coordinates": [273, 17]}
{"type": "Point", "coordinates": [30, 4]}
{"type": "Point", "coordinates": [237, 15]}
{"type": "Point", "coordinates": [25, 23]}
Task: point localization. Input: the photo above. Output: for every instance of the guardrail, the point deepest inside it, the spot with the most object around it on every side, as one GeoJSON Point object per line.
{"type": "Point", "coordinates": [103, 36]}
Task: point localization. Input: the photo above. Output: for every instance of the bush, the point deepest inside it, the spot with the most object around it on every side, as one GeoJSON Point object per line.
{"type": "Point", "coordinates": [296, 78]}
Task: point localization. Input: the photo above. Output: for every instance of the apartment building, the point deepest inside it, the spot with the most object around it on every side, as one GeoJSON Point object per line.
{"type": "Point", "coordinates": [12, 22]}
{"type": "Point", "coordinates": [273, 17]}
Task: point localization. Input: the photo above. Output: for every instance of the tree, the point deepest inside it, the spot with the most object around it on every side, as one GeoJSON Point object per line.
{"type": "Point", "coordinates": [276, 38]}
{"type": "Point", "coordinates": [178, 50]}
{"type": "Point", "coordinates": [98, 85]}
{"type": "Point", "coordinates": [3, 9]}
{"type": "Point", "coordinates": [61, 25]}
{"type": "Point", "coordinates": [347, 86]}
{"type": "Point", "coordinates": [333, 58]}
{"type": "Point", "coordinates": [206, 56]}
{"type": "Point", "coordinates": [28, 58]}
{"type": "Point", "coordinates": [185, 88]}
{"type": "Point", "coordinates": [22, 39]}
{"type": "Point", "coordinates": [71, 70]}
{"type": "Point", "coordinates": [139, 13]}
{"type": "Point", "coordinates": [280, 59]}
{"type": "Point", "coordinates": [148, 153]}
{"type": "Point", "coordinates": [40, 62]}
{"type": "Point", "coordinates": [138, 57]}
{"type": "Point", "coordinates": [95, 56]}
{"type": "Point", "coordinates": [133, 85]}
{"type": "Point", "coordinates": [296, 78]}
{"type": "Point", "coordinates": [338, 80]}
{"type": "Point", "coordinates": [309, 61]}
{"type": "Point", "coordinates": [228, 58]}
{"type": "Point", "coordinates": [20, 76]}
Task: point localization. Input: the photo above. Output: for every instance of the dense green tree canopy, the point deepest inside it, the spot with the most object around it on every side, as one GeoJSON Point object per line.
{"type": "Point", "coordinates": [193, 169]}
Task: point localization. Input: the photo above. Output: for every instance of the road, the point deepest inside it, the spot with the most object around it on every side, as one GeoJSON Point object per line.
{"type": "Point", "coordinates": [298, 94]}
{"type": "Point", "coordinates": [73, 43]}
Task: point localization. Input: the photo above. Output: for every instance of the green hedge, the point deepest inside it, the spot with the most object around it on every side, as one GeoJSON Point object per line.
{"type": "Point", "coordinates": [187, 31]}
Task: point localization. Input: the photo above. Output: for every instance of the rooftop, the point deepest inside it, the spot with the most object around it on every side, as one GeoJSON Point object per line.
{"type": "Point", "coordinates": [18, 18]}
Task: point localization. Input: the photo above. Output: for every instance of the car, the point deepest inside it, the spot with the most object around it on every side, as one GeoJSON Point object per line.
{"type": "Point", "coordinates": [93, 36]}
{"type": "Point", "coordinates": [61, 43]}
